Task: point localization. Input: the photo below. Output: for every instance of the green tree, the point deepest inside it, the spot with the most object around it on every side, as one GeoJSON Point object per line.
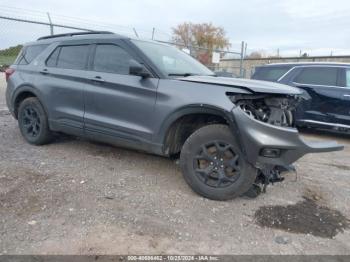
{"type": "Point", "coordinates": [8, 55]}
{"type": "Point", "coordinates": [11, 51]}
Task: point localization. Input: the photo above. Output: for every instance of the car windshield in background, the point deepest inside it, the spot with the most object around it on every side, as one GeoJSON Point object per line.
{"type": "Point", "coordinates": [270, 73]}
{"type": "Point", "coordinates": [172, 61]}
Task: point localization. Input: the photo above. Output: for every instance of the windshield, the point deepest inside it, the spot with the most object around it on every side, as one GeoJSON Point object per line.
{"type": "Point", "coordinates": [170, 60]}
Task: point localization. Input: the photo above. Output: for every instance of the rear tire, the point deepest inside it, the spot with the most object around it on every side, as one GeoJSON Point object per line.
{"type": "Point", "coordinates": [33, 122]}
{"type": "Point", "coordinates": [213, 164]}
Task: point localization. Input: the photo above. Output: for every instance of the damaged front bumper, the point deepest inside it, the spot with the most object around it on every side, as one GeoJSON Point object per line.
{"type": "Point", "coordinates": [268, 145]}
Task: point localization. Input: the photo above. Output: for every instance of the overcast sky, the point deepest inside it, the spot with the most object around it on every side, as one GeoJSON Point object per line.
{"type": "Point", "coordinates": [314, 26]}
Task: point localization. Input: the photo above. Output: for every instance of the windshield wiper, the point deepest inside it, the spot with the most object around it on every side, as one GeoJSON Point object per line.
{"type": "Point", "coordinates": [181, 74]}
{"type": "Point", "coordinates": [189, 74]}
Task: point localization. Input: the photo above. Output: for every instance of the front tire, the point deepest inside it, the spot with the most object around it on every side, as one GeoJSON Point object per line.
{"type": "Point", "coordinates": [213, 164]}
{"type": "Point", "coordinates": [33, 122]}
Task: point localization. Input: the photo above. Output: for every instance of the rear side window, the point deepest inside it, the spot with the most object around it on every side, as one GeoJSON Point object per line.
{"type": "Point", "coordinates": [111, 59]}
{"type": "Point", "coordinates": [28, 54]}
{"type": "Point", "coordinates": [318, 76]}
{"type": "Point", "coordinates": [270, 73]}
{"type": "Point", "coordinates": [69, 57]}
{"type": "Point", "coordinates": [348, 77]}
{"type": "Point", "coordinates": [73, 57]}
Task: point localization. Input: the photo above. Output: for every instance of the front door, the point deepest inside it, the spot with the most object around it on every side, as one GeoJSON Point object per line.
{"type": "Point", "coordinates": [118, 106]}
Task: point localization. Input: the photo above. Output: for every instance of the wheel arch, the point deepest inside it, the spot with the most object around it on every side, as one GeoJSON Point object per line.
{"type": "Point", "coordinates": [184, 121]}
{"type": "Point", "coordinates": [24, 92]}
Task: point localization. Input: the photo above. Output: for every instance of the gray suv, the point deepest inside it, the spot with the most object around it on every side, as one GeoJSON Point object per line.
{"type": "Point", "coordinates": [233, 136]}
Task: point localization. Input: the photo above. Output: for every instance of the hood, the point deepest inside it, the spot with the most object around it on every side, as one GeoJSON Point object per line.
{"type": "Point", "coordinates": [255, 86]}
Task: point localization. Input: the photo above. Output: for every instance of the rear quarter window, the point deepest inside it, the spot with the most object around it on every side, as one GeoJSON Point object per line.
{"type": "Point", "coordinates": [270, 73]}
{"type": "Point", "coordinates": [52, 61]}
{"type": "Point", "coordinates": [29, 53]}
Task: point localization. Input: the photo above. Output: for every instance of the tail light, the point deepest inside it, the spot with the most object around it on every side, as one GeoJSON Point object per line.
{"type": "Point", "coordinates": [8, 73]}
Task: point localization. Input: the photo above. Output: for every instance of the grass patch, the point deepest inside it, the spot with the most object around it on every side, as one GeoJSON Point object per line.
{"type": "Point", "coordinates": [7, 60]}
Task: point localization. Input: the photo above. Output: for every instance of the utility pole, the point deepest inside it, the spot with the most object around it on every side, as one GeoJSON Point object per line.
{"type": "Point", "coordinates": [51, 25]}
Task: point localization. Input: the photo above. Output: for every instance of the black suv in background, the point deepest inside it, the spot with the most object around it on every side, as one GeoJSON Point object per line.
{"type": "Point", "coordinates": [231, 134]}
{"type": "Point", "coordinates": [327, 89]}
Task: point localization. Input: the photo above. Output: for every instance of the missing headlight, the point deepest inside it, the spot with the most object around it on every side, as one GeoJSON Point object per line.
{"type": "Point", "coordinates": [274, 110]}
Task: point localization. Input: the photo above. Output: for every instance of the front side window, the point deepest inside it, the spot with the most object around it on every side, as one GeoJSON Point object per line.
{"type": "Point", "coordinates": [111, 59]}
{"type": "Point", "coordinates": [170, 60]}
{"type": "Point", "coordinates": [348, 77]}
{"type": "Point", "coordinates": [69, 57]}
{"type": "Point", "coordinates": [28, 54]}
{"type": "Point", "coordinates": [326, 76]}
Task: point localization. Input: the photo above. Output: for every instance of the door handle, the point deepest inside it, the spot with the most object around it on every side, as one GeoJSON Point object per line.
{"type": "Point", "coordinates": [44, 71]}
{"type": "Point", "coordinates": [346, 95]}
{"type": "Point", "coordinates": [97, 79]}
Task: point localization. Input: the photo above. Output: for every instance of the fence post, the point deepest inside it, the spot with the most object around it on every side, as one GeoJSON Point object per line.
{"type": "Point", "coordinates": [51, 25]}
{"type": "Point", "coordinates": [135, 32]}
{"type": "Point", "coordinates": [153, 33]}
{"type": "Point", "coordinates": [241, 60]}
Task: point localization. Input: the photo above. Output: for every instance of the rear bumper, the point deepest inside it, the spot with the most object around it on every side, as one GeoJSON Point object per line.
{"type": "Point", "coordinates": [256, 136]}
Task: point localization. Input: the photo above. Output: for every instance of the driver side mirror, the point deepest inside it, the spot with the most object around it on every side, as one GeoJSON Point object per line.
{"type": "Point", "coordinates": [135, 68]}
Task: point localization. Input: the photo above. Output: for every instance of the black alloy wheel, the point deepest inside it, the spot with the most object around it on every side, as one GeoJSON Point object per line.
{"type": "Point", "coordinates": [217, 164]}
{"type": "Point", "coordinates": [33, 122]}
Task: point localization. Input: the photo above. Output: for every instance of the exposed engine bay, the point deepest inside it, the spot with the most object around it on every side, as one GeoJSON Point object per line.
{"type": "Point", "coordinates": [274, 110]}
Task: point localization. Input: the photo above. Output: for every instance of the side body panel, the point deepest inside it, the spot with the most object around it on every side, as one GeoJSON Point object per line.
{"type": "Point", "coordinates": [121, 107]}
{"type": "Point", "coordinates": [63, 92]}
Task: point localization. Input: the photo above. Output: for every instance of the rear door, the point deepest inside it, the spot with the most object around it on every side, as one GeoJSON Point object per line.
{"type": "Point", "coordinates": [118, 105]}
{"type": "Point", "coordinates": [63, 78]}
{"type": "Point", "coordinates": [327, 103]}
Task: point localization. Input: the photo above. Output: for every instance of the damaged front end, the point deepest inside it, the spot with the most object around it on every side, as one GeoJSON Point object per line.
{"type": "Point", "coordinates": [268, 136]}
{"type": "Point", "coordinates": [274, 110]}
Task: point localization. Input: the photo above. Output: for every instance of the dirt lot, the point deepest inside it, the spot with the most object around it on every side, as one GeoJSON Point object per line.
{"type": "Point", "coordinates": [79, 197]}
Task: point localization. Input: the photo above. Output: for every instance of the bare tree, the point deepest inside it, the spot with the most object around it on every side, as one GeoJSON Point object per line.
{"type": "Point", "coordinates": [255, 55]}
{"type": "Point", "coordinates": [204, 35]}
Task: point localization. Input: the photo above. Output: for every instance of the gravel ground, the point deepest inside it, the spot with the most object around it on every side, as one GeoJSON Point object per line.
{"type": "Point", "coordinates": [79, 197]}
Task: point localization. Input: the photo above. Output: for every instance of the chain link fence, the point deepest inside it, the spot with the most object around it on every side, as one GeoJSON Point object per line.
{"type": "Point", "coordinates": [15, 31]}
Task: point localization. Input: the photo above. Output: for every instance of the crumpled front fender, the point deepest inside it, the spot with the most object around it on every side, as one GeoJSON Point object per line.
{"type": "Point", "coordinates": [255, 136]}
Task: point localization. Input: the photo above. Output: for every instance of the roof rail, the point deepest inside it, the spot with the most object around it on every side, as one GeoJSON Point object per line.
{"type": "Point", "coordinates": [76, 33]}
